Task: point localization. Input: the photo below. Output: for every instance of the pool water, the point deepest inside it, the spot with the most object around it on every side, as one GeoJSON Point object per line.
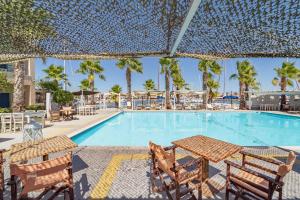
{"type": "Point", "coordinates": [243, 128]}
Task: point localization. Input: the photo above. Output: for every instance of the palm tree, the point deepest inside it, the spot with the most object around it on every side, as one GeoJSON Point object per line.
{"type": "Point", "coordinates": [179, 84]}
{"type": "Point", "coordinates": [149, 85]}
{"type": "Point", "coordinates": [116, 89]}
{"type": "Point", "coordinates": [285, 76]}
{"type": "Point", "coordinates": [56, 74]}
{"type": "Point", "coordinates": [212, 87]}
{"type": "Point", "coordinates": [131, 65]}
{"type": "Point", "coordinates": [165, 69]}
{"type": "Point", "coordinates": [18, 102]}
{"type": "Point", "coordinates": [246, 75]}
{"type": "Point", "coordinates": [30, 25]}
{"type": "Point", "coordinates": [208, 67]}
{"type": "Point", "coordinates": [84, 84]}
{"type": "Point", "coordinates": [91, 68]}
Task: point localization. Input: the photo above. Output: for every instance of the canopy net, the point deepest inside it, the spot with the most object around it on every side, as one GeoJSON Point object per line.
{"type": "Point", "coordinates": [90, 29]}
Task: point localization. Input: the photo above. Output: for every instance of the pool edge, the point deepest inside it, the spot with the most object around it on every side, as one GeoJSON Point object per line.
{"type": "Point", "coordinates": [79, 131]}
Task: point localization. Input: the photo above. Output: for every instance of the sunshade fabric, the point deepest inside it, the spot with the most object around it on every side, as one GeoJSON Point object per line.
{"type": "Point", "coordinates": [86, 29]}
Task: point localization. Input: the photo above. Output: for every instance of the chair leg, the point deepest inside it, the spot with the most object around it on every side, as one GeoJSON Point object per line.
{"type": "Point", "coordinates": [280, 194]}
{"type": "Point", "coordinates": [13, 188]}
{"type": "Point", "coordinates": [71, 193]}
{"type": "Point", "coordinates": [177, 192]}
{"type": "Point", "coordinates": [200, 192]}
{"type": "Point", "coordinates": [227, 194]}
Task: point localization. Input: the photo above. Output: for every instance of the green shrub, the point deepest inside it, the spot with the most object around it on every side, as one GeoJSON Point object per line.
{"type": "Point", "coordinates": [5, 110]}
{"type": "Point", "coordinates": [62, 97]}
{"type": "Point", "coordinates": [35, 107]}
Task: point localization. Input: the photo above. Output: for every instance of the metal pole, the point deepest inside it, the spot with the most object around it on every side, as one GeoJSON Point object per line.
{"type": "Point", "coordinates": [119, 101]}
{"type": "Point", "coordinates": [158, 78]}
{"type": "Point", "coordinates": [231, 100]}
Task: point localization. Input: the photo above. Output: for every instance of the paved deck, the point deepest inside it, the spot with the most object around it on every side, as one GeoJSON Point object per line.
{"type": "Point", "coordinates": [123, 173]}
{"type": "Point", "coordinates": [60, 128]}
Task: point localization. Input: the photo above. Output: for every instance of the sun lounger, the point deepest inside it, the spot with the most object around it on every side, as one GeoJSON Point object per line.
{"type": "Point", "coordinates": [259, 184]}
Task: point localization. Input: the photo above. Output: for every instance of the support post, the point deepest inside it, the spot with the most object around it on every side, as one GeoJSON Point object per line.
{"type": "Point", "coordinates": [48, 104]}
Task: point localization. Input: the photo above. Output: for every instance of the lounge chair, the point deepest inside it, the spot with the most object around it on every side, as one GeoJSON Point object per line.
{"type": "Point", "coordinates": [209, 107]}
{"type": "Point", "coordinates": [249, 183]}
{"type": "Point", "coordinates": [51, 175]}
{"type": "Point", "coordinates": [164, 164]}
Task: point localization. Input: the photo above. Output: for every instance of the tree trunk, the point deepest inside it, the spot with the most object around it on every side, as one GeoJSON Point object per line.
{"type": "Point", "coordinates": [247, 92]}
{"type": "Point", "coordinates": [93, 89]}
{"type": "Point", "coordinates": [283, 83]}
{"type": "Point", "coordinates": [242, 96]}
{"type": "Point", "coordinates": [18, 103]}
{"type": "Point", "coordinates": [177, 96]}
{"type": "Point", "coordinates": [167, 79]}
{"type": "Point", "coordinates": [204, 87]}
{"type": "Point", "coordinates": [128, 79]}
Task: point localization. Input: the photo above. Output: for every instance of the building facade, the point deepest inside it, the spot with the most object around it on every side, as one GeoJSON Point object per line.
{"type": "Point", "coordinates": [29, 83]}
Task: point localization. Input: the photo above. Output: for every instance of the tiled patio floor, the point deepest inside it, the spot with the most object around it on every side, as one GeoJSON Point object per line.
{"type": "Point", "coordinates": [123, 173]}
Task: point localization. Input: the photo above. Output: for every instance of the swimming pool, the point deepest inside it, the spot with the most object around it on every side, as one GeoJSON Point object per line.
{"type": "Point", "coordinates": [243, 128]}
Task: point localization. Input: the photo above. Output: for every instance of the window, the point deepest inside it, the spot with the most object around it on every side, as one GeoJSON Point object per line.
{"type": "Point", "coordinates": [6, 67]}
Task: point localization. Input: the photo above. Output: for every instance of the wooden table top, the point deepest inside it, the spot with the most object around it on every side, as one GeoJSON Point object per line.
{"type": "Point", "coordinates": [33, 149]}
{"type": "Point", "coordinates": [208, 148]}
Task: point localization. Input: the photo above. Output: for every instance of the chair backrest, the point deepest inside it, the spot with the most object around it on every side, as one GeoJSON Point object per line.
{"type": "Point", "coordinates": [6, 117]}
{"type": "Point", "coordinates": [28, 172]}
{"type": "Point", "coordinates": [284, 169]}
{"type": "Point", "coordinates": [165, 160]}
{"type": "Point", "coordinates": [67, 107]}
{"type": "Point", "coordinates": [18, 117]}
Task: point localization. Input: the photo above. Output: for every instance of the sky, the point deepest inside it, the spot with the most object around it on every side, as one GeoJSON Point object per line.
{"type": "Point", "coordinates": [189, 68]}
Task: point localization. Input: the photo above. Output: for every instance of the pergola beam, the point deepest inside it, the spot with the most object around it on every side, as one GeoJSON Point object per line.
{"type": "Point", "coordinates": [186, 23]}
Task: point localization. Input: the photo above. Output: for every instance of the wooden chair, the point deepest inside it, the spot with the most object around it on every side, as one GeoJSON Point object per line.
{"type": "Point", "coordinates": [68, 112]}
{"type": "Point", "coordinates": [6, 122]}
{"type": "Point", "coordinates": [51, 175]}
{"type": "Point", "coordinates": [188, 175]}
{"type": "Point", "coordinates": [248, 183]}
{"type": "Point", "coordinates": [18, 121]}
{"type": "Point", "coordinates": [54, 116]}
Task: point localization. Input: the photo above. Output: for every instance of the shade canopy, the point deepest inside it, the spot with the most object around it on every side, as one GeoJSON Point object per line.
{"type": "Point", "coordinates": [81, 29]}
{"type": "Point", "coordinates": [84, 92]}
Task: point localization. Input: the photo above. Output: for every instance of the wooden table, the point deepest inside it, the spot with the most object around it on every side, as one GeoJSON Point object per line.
{"type": "Point", "coordinates": [40, 148]}
{"type": "Point", "coordinates": [209, 149]}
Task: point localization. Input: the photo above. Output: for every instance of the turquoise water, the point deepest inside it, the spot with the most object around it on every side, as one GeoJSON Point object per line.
{"type": "Point", "coordinates": [138, 128]}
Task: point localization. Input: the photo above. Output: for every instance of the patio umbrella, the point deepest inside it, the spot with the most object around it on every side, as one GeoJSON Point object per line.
{"type": "Point", "coordinates": [230, 97]}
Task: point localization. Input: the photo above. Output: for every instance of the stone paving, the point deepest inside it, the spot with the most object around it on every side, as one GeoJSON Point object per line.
{"type": "Point", "coordinates": [123, 173]}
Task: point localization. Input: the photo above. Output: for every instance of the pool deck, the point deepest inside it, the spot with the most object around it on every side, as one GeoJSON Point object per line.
{"type": "Point", "coordinates": [69, 128]}
{"type": "Point", "coordinates": [123, 173]}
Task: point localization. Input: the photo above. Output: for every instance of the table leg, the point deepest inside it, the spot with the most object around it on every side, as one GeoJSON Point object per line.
{"type": "Point", "coordinates": [205, 169]}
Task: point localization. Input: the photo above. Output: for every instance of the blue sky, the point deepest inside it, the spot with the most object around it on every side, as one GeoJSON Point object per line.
{"type": "Point", "coordinates": [264, 67]}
